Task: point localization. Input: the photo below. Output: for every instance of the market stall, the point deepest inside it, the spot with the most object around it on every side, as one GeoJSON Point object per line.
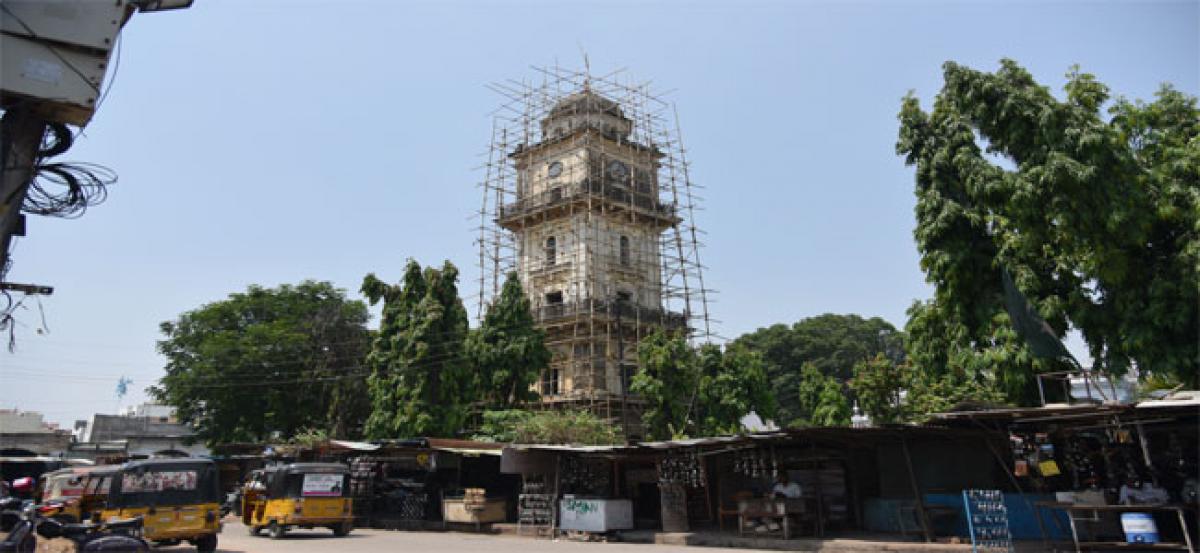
{"type": "Point", "coordinates": [576, 489]}
{"type": "Point", "coordinates": [1105, 475]}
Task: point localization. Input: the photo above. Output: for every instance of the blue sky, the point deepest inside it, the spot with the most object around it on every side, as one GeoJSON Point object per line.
{"type": "Point", "coordinates": [272, 141]}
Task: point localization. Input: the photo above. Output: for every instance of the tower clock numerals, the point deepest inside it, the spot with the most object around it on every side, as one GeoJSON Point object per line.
{"type": "Point", "coordinates": [554, 169]}
{"type": "Point", "coordinates": [617, 170]}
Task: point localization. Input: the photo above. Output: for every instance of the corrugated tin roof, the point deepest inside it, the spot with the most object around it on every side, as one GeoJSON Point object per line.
{"type": "Point", "coordinates": [849, 434]}
{"type": "Point", "coordinates": [470, 452]}
{"type": "Point", "coordinates": [566, 447]}
{"type": "Point", "coordinates": [1059, 411]}
{"type": "Point", "coordinates": [357, 446]}
{"type": "Point", "coordinates": [1159, 403]}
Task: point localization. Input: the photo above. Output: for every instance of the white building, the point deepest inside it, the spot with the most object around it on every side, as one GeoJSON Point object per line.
{"type": "Point", "coordinates": [27, 433]}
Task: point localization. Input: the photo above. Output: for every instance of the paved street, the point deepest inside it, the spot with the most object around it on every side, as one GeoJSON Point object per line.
{"type": "Point", "coordinates": [234, 539]}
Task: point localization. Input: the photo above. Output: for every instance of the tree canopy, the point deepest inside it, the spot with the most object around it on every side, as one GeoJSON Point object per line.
{"type": "Point", "coordinates": [667, 379]}
{"type": "Point", "coordinates": [703, 391]}
{"type": "Point", "coordinates": [508, 352]}
{"type": "Point", "coordinates": [1091, 205]}
{"type": "Point", "coordinates": [269, 362]}
{"type": "Point", "coordinates": [420, 383]}
{"type": "Point", "coordinates": [831, 343]}
{"type": "Point", "coordinates": [823, 400]}
{"type": "Point", "coordinates": [733, 383]}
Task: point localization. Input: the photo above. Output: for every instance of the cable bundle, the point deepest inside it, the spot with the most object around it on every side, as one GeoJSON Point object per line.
{"type": "Point", "coordinates": [67, 189]}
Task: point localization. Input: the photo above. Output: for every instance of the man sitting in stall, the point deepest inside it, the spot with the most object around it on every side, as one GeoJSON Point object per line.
{"type": "Point", "coordinates": [784, 489]}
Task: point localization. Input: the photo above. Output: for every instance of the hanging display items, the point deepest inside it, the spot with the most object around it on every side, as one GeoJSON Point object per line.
{"type": "Point", "coordinates": [755, 464]}
{"type": "Point", "coordinates": [585, 476]}
{"type": "Point", "coordinates": [682, 467]}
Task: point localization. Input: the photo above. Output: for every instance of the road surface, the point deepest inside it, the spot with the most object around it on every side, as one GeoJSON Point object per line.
{"type": "Point", "coordinates": [234, 539]}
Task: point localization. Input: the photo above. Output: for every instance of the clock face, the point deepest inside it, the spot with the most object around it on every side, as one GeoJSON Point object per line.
{"type": "Point", "coordinates": [554, 169]}
{"type": "Point", "coordinates": [617, 170]}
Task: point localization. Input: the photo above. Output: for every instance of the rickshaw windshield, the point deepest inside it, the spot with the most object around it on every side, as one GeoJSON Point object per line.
{"type": "Point", "coordinates": [97, 484]}
{"type": "Point", "coordinates": [315, 484]}
{"type": "Point", "coordinates": [64, 485]}
{"type": "Point", "coordinates": [166, 485]}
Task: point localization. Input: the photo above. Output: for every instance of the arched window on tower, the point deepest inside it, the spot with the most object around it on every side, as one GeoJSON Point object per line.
{"type": "Point", "coordinates": [625, 251]}
{"type": "Point", "coordinates": [551, 251]}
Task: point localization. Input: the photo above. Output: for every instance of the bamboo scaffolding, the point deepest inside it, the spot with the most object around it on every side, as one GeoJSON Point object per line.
{"type": "Point", "coordinates": [593, 221]}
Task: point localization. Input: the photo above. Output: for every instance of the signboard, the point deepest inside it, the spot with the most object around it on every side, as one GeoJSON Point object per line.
{"type": "Point", "coordinates": [158, 481]}
{"type": "Point", "coordinates": [322, 485]}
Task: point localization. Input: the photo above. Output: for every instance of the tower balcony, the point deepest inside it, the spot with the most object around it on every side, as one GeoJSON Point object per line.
{"type": "Point", "coordinates": [623, 311]}
{"type": "Point", "coordinates": [606, 193]}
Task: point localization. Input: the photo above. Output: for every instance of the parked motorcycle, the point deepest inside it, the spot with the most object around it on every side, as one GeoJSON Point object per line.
{"type": "Point", "coordinates": [89, 537]}
{"type": "Point", "coordinates": [10, 512]}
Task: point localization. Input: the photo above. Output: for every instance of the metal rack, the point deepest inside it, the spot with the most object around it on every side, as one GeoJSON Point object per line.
{"type": "Point", "coordinates": [535, 508]}
{"type": "Point", "coordinates": [987, 520]}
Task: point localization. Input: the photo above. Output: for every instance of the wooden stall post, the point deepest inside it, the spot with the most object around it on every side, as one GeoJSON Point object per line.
{"type": "Point", "coordinates": [674, 507]}
{"type": "Point", "coordinates": [922, 515]}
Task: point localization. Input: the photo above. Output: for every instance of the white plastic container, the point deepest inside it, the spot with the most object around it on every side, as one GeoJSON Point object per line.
{"type": "Point", "coordinates": [595, 515]}
{"type": "Point", "coordinates": [1139, 528]}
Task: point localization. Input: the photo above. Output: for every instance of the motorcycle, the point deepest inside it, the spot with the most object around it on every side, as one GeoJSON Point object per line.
{"type": "Point", "coordinates": [10, 512]}
{"type": "Point", "coordinates": [89, 537]}
{"type": "Point", "coordinates": [232, 503]}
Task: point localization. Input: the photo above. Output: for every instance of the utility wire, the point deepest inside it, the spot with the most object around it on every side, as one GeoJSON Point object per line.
{"type": "Point", "coordinates": [249, 376]}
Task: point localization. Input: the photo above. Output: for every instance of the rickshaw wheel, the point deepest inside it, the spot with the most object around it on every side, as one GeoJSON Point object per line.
{"type": "Point", "coordinates": [275, 530]}
{"type": "Point", "coordinates": [206, 543]}
{"type": "Point", "coordinates": [341, 530]}
{"type": "Point", "coordinates": [254, 530]}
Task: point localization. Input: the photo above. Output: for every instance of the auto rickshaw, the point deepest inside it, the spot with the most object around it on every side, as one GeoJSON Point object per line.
{"type": "Point", "coordinates": [299, 495]}
{"type": "Point", "coordinates": [178, 500]}
{"type": "Point", "coordinates": [68, 490]}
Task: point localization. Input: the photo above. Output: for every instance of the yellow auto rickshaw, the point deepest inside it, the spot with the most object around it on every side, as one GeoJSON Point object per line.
{"type": "Point", "coordinates": [298, 495]}
{"type": "Point", "coordinates": [68, 490]}
{"type": "Point", "coordinates": [178, 500]}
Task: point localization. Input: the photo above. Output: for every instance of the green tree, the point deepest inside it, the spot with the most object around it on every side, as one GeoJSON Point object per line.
{"type": "Point", "coordinates": [420, 384]}
{"type": "Point", "coordinates": [508, 351]}
{"type": "Point", "coordinates": [267, 362]}
{"type": "Point", "coordinates": [831, 343]}
{"type": "Point", "coordinates": [823, 402]}
{"type": "Point", "coordinates": [1096, 218]}
{"type": "Point", "coordinates": [940, 350]}
{"type": "Point", "coordinates": [812, 381]}
{"type": "Point", "coordinates": [703, 391]}
{"type": "Point", "coordinates": [833, 409]}
{"type": "Point", "coordinates": [879, 384]}
{"type": "Point", "coordinates": [733, 383]}
{"type": "Point", "coordinates": [930, 394]}
{"type": "Point", "coordinates": [547, 427]}
{"type": "Point", "coordinates": [891, 392]}
{"type": "Point", "coordinates": [667, 380]}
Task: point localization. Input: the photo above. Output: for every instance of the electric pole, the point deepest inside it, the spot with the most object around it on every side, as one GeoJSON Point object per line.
{"type": "Point", "coordinates": [21, 132]}
{"type": "Point", "coordinates": [53, 60]}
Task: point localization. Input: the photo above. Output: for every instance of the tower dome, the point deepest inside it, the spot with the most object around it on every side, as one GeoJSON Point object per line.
{"type": "Point", "coordinates": [586, 109]}
{"type": "Point", "coordinates": [586, 101]}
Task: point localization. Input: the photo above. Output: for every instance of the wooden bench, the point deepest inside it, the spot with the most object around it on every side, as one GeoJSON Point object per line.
{"type": "Point", "coordinates": [783, 510]}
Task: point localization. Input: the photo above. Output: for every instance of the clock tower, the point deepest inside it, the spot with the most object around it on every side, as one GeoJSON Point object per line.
{"type": "Point", "coordinates": [594, 234]}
